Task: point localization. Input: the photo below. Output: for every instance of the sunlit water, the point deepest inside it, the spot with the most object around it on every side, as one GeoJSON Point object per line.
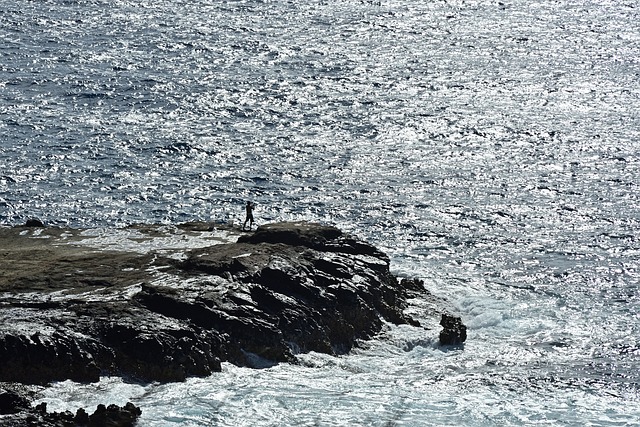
{"type": "Point", "coordinates": [491, 148]}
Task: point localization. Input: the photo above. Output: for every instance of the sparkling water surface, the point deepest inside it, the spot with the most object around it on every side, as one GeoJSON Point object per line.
{"type": "Point", "coordinates": [492, 148]}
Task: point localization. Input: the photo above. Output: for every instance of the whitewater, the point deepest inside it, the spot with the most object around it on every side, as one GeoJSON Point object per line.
{"type": "Point", "coordinates": [491, 148]}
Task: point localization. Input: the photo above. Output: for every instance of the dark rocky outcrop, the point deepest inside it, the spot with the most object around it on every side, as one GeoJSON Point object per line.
{"type": "Point", "coordinates": [103, 416]}
{"type": "Point", "coordinates": [287, 288]}
{"type": "Point", "coordinates": [73, 312]}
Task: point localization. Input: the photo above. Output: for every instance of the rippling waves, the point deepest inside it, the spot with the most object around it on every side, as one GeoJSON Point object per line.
{"type": "Point", "coordinates": [490, 147]}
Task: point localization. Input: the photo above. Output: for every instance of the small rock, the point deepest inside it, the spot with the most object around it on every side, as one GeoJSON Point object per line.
{"type": "Point", "coordinates": [453, 331]}
{"type": "Point", "coordinates": [34, 222]}
{"type": "Point", "coordinates": [81, 417]}
{"type": "Point", "coordinates": [116, 416]}
{"type": "Point", "coordinates": [11, 402]}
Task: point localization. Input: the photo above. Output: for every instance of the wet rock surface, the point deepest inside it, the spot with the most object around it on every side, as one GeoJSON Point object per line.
{"type": "Point", "coordinates": [76, 308]}
{"type": "Point", "coordinates": [16, 411]}
{"type": "Point", "coordinates": [454, 332]}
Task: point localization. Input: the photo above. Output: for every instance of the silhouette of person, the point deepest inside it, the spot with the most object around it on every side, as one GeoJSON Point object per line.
{"type": "Point", "coordinates": [249, 218]}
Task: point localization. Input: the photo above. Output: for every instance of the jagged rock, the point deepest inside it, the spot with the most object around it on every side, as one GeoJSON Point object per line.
{"type": "Point", "coordinates": [30, 359]}
{"type": "Point", "coordinates": [453, 331]}
{"type": "Point", "coordinates": [301, 275]}
{"type": "Point", "coordinates": [74, 313]}
{"type": "Point", "coordinates": [413, 285]}
{"type": "Point", "coordinates": [314, 236]}
{"type": "Point", "coordinates": [311, 235]}
{"type": "Point", "coordinates": [103, 416]}
{"type": "Point", "coordinates": [113, 415]}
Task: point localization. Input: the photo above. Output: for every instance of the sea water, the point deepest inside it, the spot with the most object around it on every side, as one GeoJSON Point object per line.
{"type": "Point", "coordinates": [491, 148]}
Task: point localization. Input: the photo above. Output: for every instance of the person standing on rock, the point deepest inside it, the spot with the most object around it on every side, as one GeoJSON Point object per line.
{"type": "Point", "coordinates": [249, 218]}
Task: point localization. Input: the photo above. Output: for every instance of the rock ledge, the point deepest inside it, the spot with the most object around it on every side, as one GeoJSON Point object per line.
{"type": "Point", "coordinates": [74, 305]}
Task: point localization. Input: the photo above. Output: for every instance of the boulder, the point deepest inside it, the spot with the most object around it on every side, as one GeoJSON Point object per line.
{"type": "Point", "coordinates": [34, 222]}
{"type": "Point", "coordinates": [454, 332]}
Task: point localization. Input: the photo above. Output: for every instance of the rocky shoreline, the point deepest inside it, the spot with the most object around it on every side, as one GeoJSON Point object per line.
{"type": "Point", "coordinates": [165, 303]}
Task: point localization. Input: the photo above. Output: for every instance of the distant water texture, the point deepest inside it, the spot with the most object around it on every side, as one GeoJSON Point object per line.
{"type": "Point", "coordinates": [492, 148]}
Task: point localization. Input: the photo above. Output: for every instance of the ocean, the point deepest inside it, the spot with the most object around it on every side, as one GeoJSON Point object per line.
{"type": "Point", "coordinates": [491, 148]}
